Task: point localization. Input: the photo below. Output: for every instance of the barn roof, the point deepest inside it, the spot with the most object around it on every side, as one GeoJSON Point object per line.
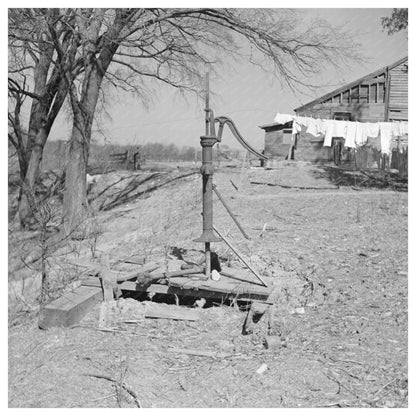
{"type": "Point", "coordinates": [353, 84]}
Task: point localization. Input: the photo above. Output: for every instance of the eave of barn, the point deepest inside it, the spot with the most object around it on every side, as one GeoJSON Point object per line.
{"type": "Point", "coordinates": [380, 95]}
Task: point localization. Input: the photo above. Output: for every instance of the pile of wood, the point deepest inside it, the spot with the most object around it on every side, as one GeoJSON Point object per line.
{"type": "Point", "coordinates": [104, 282]}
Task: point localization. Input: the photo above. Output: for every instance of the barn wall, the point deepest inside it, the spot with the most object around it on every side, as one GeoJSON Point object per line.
{"type": "Point", "coordinates": [275, 146]}
{"type": "Point", "coordinates": [398, 98]}
{"type": "Point", "coordinates": [378, 96]}
{"type": "Point", "coordinates": [364, 112]}
{"type": "Point", "coordinates": [310, 148]}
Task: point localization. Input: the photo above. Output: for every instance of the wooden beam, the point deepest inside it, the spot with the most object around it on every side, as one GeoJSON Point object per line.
{"type": "Point", "coordinates": [70, 308]}
{"type": "Point", "coordinates": [171, 312]}
{"type": "Point", "coordinates": [210, 354]}
{"type": "Point", "coordinates": [257, 310]}
{"type": "Point", "coordinates": [207, 290]}
{"type": "Point", "coordinates": [387, 95]}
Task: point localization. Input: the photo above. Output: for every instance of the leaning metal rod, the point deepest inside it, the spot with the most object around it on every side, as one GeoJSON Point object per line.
{"type": "Point", "coordinates": [239, 256]}
{"type": "Point", "coordinates": [231, 276]}
{"type": "Point", "coordinates": [237, 223]}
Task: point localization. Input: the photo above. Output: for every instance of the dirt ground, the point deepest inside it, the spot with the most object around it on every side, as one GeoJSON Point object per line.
{"type": "Point", "coordinates": [337, 257]}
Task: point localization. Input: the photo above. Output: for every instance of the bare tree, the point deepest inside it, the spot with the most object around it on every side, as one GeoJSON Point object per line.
{"type": "Point", "coordinates": [34, 73]}
{"type": "Point", "coordinates": [128, 47]}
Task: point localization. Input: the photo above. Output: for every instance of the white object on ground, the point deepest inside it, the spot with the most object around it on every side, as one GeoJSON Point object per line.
{"type": "Point", "coordinates": [215, 275]}
{"type": "Point", "coordinates": [261, 369]}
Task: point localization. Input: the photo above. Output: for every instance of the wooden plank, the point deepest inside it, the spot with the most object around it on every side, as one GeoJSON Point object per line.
{"type": "Point", "coordinates": [265, 301]}
{"type": "Point", "coordinates": [199, 292]}
{"type": "Point", "coordinates": [107, 278]}
{"type": "Point", "coordinates": [191, 284]}
{"type": "Point", "coordinates": [259, 307]}
{"type": "Point", "coordinates": [156, 288]}
{"type": "Point", "coordinates": [91, 281]}
{"type": "Point", "coordinates": [146, 268]}
{"type": "Point", "coordinates": [257, 310]}
{"type": "Point", "coordinates": [137, 259]}
{"type": "Point", "coordinates": [223, 286]}
{"type": "Point", "coordinates": [210, 354]}
{"type": "Point", "coordinates": [171, 312]}
{"type": "Point", "coordinates": [69, 308]}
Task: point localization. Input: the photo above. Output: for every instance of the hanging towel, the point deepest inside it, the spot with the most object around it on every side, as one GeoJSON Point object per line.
{"type": "Point", "coordinates": [312, 126]}
{"type": "Point", "coordinates": [296, 126]}
{"type": "Point", "coordinates": [386, 135]}
{"type": "Point", "coordinates": [351, 130]}
{"type": "Point", "coordinates": [403, 128]}
{"type": "Point", "coordinates": [340, 128]}
{"type": "Point", "coordinates": [329, 127]}
{"type": "Point", "coordinates": [361, 134]}
{"type": "Point", "coordinates": [396, 129]}
{"type": "Point", "coordinates": [373, 129]}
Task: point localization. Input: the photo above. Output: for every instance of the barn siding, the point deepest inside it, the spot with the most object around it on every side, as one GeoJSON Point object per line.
{"type": "Point", "coordinates": [274, 146]}
{"type": "Point", "coordinates": [310, 148]}
{"type": "Point", "coordinates": [367, 100]}
{"type": "Point", "coordinates": [364, 112]}
{"type": "Point", "coordinates": [398, 99]}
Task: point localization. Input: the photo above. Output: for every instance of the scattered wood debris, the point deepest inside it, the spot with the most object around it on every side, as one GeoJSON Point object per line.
{"type": "Point", "coordinates": [294, 187]}
{"type": "Point", "coordinates": [159, 311]}
{"type": "Point", "coordinates": [209, 354]}
{"type": "Point", "coordinates": [124, 385]}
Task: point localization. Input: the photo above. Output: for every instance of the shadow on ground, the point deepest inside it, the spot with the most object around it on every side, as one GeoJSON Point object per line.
{"type": "Point", "coordinates": [340, 176]}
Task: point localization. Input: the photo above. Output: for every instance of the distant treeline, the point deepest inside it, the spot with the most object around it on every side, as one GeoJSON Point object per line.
{"type": "Point", "coordinates": [55, 153]}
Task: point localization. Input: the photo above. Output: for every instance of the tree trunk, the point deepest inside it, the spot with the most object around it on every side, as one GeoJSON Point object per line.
{"type": "Point", "coordinates": [32, 175]}
{"type": "Point", "coordinates": [75, 206]}
{"type": "Point", "coordinates": [39, 129]}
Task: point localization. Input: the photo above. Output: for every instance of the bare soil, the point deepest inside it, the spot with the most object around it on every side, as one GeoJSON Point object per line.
{"type": "Point", "coordinates": [337, 257]}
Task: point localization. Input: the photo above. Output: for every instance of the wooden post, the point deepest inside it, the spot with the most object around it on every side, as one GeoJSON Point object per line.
{"type": "Point", "coordinates": [107, 279]}
{"type": "Point", "coordinates": [387, 95]}
{"type": "Point", "coordinates": [242, 167]}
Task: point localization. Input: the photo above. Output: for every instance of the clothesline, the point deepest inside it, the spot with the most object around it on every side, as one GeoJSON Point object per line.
{"type": "Point", "coordinates": [355, 133]}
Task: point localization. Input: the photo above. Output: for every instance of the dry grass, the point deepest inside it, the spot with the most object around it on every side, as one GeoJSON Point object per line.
{"type": "Point", "coordinates": [339, 254]}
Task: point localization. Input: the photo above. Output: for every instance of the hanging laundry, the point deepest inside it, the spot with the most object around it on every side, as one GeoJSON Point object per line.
{"type": "Point", "coordinates": [361, 134]}
{"type": "Point", "coordinates": [373, 129]}
{"type": "Point", "coordinates": [314, 126]}
{"type": "Point", "coordinates": [350, 134]}
{"type": "Point", "coordinates": [403, 128]}
{"type": "Point", "coordinates": [354, 132]}
{"type": "Point", "coordinates": [340, 128]}
{"type": "Point", "coordinates": [329, 127]}
{"type": "Point", "coordinates": [395, 129]}
{"type": "Point", "coordinates": [386, 135]}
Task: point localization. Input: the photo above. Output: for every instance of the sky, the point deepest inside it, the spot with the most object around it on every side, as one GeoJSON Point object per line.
{"type": "Point", "coordinates": [245, 93]}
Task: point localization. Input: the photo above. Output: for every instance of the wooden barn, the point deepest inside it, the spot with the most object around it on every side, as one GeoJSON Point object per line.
{"type": "Point", "coordinates": [379, 96]}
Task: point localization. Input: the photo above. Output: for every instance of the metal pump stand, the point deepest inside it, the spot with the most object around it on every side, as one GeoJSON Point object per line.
{"type": "Point", "coordinates": [207, 172]}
